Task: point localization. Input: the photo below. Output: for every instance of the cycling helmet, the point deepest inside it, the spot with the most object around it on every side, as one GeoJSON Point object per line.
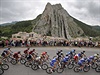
{"type": "Point", "coordinates": [8, 48]}
{"type": "Point", "coordinates": [95, 55]}
{"type": "Point", "coordinates": [61, 50]}
{"type": "Point", "coordinates": [73, 50]}
{"type": "Point", "coordinates": [33, 49]}
{"type": "Point", "coordinates": [68, 52]}
{"type": "Point", "coordinates": [19, 52]}
{"type": "Point", "coordinates": [83, 51]}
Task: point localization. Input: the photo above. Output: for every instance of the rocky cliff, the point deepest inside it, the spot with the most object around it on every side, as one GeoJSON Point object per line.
{"type": "Point", "coordinates": [55, 21]}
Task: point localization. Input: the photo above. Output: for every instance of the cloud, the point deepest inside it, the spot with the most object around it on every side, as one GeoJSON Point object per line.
{"type": "Point", "coordinates": [86, 10]}
{"type": "Point", "coordinates": [16, 10]}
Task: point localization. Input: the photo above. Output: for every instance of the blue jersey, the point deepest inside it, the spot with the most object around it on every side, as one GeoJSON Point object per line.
{"type": "Point", "coordinates": [53, 61]}
{"type": "Point", "coordinates": [82, 60]}
{"type": "Point", "coordinates": [65, 59]}
{"type": "Point", "coordinates": [79, 54]}
{"type": "Point", "coordinates": [91, 57]}
{"type": "Point", "coordinates": [89, 60]}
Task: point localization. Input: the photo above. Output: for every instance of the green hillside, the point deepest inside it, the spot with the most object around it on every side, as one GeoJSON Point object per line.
{"type": "Point", "coordinates": [97, 28]}
{"type": "Point", "coordinates": [27, 26]}
{"type": "Point", "coordinates": [88, 30]}
{"type": "Point", "coordinates": [24, 26]}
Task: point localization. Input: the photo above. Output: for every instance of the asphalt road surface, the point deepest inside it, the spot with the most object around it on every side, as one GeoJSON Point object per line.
{"type": "Point", "coordinates": [22, 70]}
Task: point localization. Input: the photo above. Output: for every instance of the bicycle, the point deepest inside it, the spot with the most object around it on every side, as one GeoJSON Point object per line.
{"type": "Point", "coordinates": [85, 68]}
{"type": "Point", "coordinates": [4, 66]}
{"type": "Point", "coordinates": [58, 70]}
{"type": "Point", "coordinates": [97, 69]}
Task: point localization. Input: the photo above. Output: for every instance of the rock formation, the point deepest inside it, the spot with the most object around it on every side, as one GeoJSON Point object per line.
{"type": "Point", "coordinates": [55, 21]}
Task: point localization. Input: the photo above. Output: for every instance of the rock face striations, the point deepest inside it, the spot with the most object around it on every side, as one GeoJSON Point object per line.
{"type": "Point", "coordinates": [55, 21]}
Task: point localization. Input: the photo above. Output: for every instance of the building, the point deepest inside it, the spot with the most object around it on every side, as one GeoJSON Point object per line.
{"type": "Point", "coordinates": [25, 35]}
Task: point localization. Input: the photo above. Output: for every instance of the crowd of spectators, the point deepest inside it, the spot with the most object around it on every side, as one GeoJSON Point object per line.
{"type": "Point", "coordinates": [32, 43]}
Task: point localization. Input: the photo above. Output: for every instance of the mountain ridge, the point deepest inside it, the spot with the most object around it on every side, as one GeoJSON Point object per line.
{"type": "Point", "coordinates": [29, 26]}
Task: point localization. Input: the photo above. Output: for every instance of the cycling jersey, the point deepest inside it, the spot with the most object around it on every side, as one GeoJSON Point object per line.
{"type": "Point", "coordinates": [53, 62]}
{"type": "Point", "coordinates": [3, 53]}
{"type": "Point", "coordinates": [31, 52]}
{"type": "Point", "coordinates": [59, 54]}
{"type": "Point", "coordinates": [15, 55]}
{"type": "Point", "coordinates": [81, 61]}
{"type": "Point", "coordinates": [65, 59]}
{"type": "Point", "coordinates": [90, 59]}
{"type": "Point", "coordinates": [29, 57]}
{"type": "Point", "coordinates": [44, 53]}
{"type": "Point", "coordinates": [25, 51]}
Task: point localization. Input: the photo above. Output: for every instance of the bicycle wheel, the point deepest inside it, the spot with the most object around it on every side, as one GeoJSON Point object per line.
{"type": "Point", "coordinates": [76, 69]}
{"type": "Point", "coordinates": [4, 61]}
{"type": "Point", "coordinates": [13, 62]}
{"type": "Point", "coordinates": [60, 70]}
{"type": "Point", "coordinates": [1, 71]}
{"type": "Point", "coordinates": [26, 64]}
{"type": "Point", "coordinates": [22, 61]}
{"type": "Point", "coordinates": [70, 66]}
{"type": "Point", "coordinates": [49, 70]}
{"type": "Point", "coordinates": [34, 67]}
{"type": "Point", "coordinates": [5, 66]}
{"type": "Point", "coordinates": [97, 69]}
{"type": "Point", "coordinates": [86, 68]}
{"type": "Point", "coordinates": [44, 66]}
{"type": "Point", "coordinates": [94, 65]}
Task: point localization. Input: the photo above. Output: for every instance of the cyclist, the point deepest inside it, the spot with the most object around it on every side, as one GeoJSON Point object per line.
{"type": "Point", "coordinates": [30, 58]}
{"type": "Point", "coordinates": [54, 62]}
{"type": "Point", "coordinates": [33, 53]}
{"type": "Point", "coordinates": [83, 54]}
{"type": "Point", "coordinates": [65, 61]}
{"type": "Point", "coordinates": [17, 55]}
{"type": "Point", "coordinates": [77, 57]}
{"type": "Point", "coordinates": [26, 52]}
{"type": "Point", "coordinates": [96, 56]}
{"type": "Point", "coordinates": [74, 52]}
{"type": "Point", "coordinates": [81, 62]}
{"type": "Point", "coordinates": [4, 55]}
{"type": "Point", "coordinates": [90, 60]}
{"type": "Point", "coordinates": [60, 55]}
{"type": "Point", "coordinates": [45, 55]}
{"type": "Point", "coordinates": [7, 51]}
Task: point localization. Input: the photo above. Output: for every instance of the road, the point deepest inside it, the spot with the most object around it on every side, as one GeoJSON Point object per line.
{"type": "Point", "coordinates": [22, 70]}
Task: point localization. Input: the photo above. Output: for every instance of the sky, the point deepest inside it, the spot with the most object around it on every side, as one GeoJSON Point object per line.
{"type": "Point", "coordinates": [87, 11]}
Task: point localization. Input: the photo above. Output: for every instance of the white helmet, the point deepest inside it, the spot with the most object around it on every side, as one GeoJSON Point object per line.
{"type": "Point", "coordinates": [95, 55]}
